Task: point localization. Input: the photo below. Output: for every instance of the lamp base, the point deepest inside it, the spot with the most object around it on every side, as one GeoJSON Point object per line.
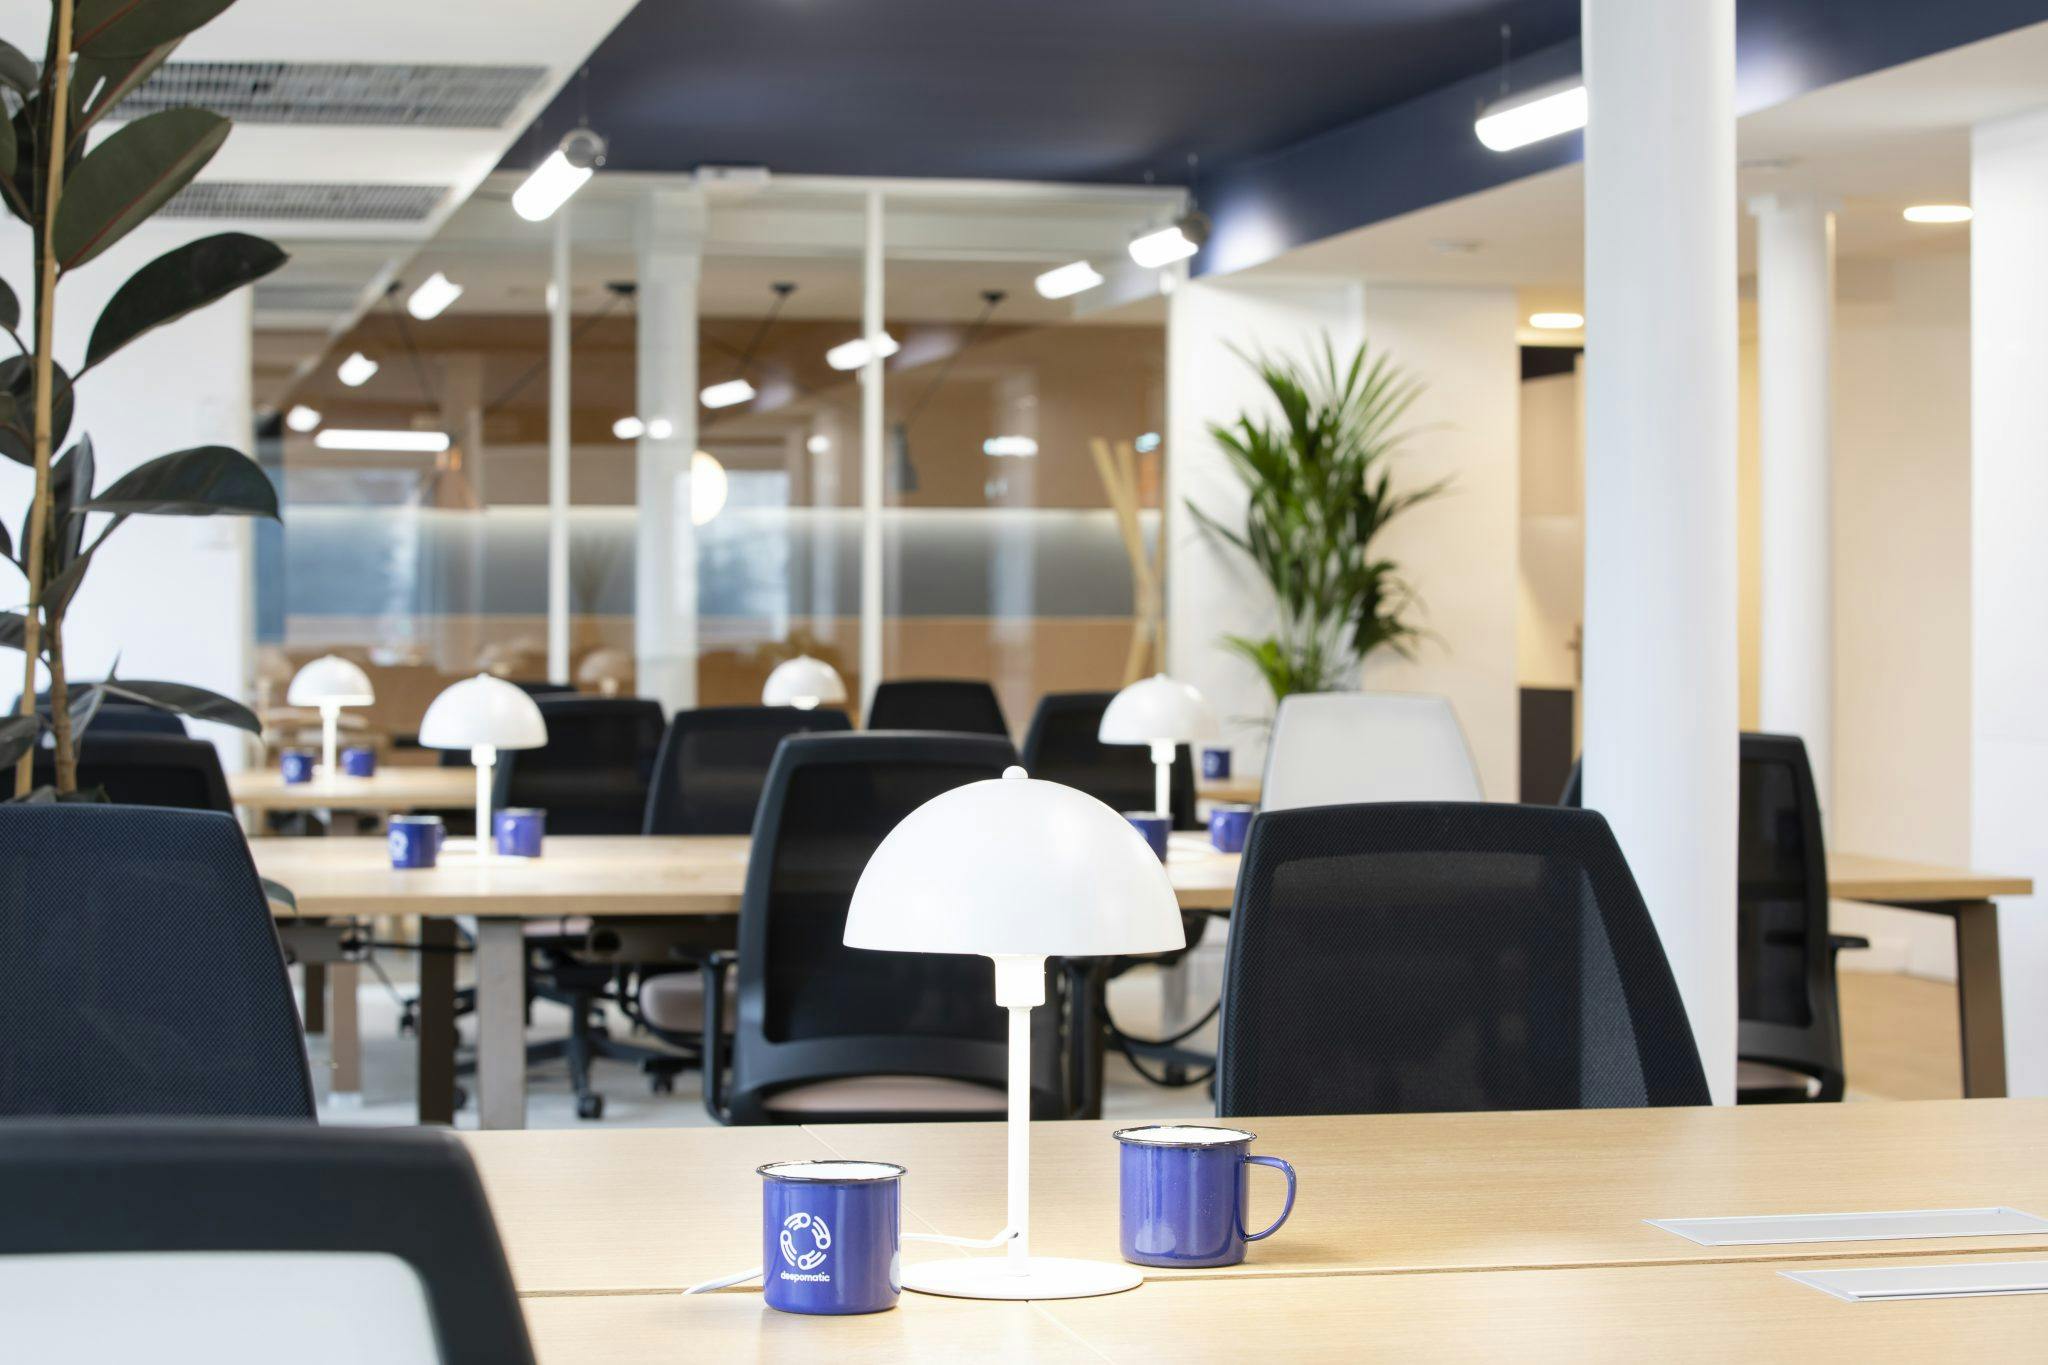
{"type": "Point", "coordinates": [1044, 1277]}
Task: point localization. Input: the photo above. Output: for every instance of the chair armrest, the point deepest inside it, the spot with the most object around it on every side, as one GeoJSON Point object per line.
{"type": "Point", "coordinates": [1837, 942]}
{"type": "Point", "coordinates": [715, 966]}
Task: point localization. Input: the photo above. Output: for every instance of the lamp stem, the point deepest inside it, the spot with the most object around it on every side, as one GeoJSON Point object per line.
{"type": "Point", "coordinates": [1162, 776]}
{"type": "Point", "coordinates": [330, 737]}
{"type": "Point", "coordinates": [484, 757]}
{"type": "Point", "coordinates": [1019, 1127]}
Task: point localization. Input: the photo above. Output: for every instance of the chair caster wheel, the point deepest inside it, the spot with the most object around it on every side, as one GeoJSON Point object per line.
{"type": "Point", "coordinates": [661, 1085]}
{"type": "Point", "coordinates": [590, 1106]}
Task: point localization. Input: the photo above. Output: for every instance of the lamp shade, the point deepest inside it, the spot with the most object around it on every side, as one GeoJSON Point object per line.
{"type": "Point", "coordinates": [609, 664]}
{"type": "Point", "coordinates": [330, 680]}
{"type": "Point", "coordinates": [483, 712]}
{"type": "Point", "coordinates": [803, 682]}
{"type": "Point", "coordinates": [1157, 710]}
{"type": "Point", "coordinates": [1015, 867]}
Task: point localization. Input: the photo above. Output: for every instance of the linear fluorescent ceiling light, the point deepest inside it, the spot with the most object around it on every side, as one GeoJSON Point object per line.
{"type": "Point", "coordinates": [1557, 322]}
{"type": "Point", "coordinates": [356, 370]}
{"type": "Point", "coordinates": [851, 355]}
{"type": "Point", "coordinates": [432, 298]}
{"type": "Point", "coordinates": [629, 428]}
{"type": "Point", "coordinates": [1014, 447]}
{"type": "Point", "coordinates": [1175, 242]}
{"type": "Point", "coordinates": [562, 174]}
{"type": "Point", "coordinates": [1067, 280]}
{"type": "Point", "coordinates": [1533, 115]}
{"type": "Point", "coordinates": [420, 442]}
{"type": "Point", "coordinates": [725, 395]}
{"type": "Point", "coordinates": [301, 418]}
{"type": "Point", "coordinates": [1939, 213]}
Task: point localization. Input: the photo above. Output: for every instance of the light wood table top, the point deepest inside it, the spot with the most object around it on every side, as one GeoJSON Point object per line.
{"type": "Point", "coordinates": [390, 789]}
{"type": "Point", "coordinates": [1859, 877]}
{"type": "Point", "coordinates": [621, 875]}
{"type": "Point", "coordinates": [1236, 790]}
{"type": "Point", "coordinates": [589, 1211]}
{"type": "Point", "coordinates": [1707, 1312]}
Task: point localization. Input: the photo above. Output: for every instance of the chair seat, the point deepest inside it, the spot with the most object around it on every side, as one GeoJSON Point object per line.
{"type": "Point", "coordinates": [1763, 1083]}
{"type": "Point", "coordinates": [675, 1001]}
{"type": "Point", "coordinates": [889, 1094]}
{"type": "Point", "coordinates": [569, 926]}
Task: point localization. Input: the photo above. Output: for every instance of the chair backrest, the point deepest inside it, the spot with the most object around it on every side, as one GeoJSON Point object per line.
{"type": "Point", "coordinates": [139, 969]}
{"type": "Point", "coordinates": [714, 762]}
{"type": "Point", "coordinates": [537, 690]}
{"type": "Point", "coordinates": [965, 706]}
{"type": "Point", "coordinates": [591, 776]}
{"type": "Point", "coordinates": [146, 770]}
{"type": "Point", "coordinates": [247, 1244]}
{"type": "Point", "coordinates": [1411, 957]}
{"type": "Point", "coordinates": [1785, 973]}
{"type": "Point", "coordinates": [1061, 747]}
{"type": "Point", "coordinates": [1338, 748]}
{"type": "Point", "coordinates": [809, 1007]}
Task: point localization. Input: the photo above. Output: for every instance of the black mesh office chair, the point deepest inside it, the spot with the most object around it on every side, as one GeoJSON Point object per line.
{"type": "Point", "coordinates": [541, 690]}
{"type": "Point", "coordinates": [1061, 747]}
{"type": "Point", "coordinates": [1789, 1038]}
{"type": "Point", "coordinates": [964, 706]}
{"type": "Point", "coordinates": [1416, 957]}
{"type": "Point", "coordinates": [591, 776]}
{"type": "Point", "coordinates": [714, 761]}
{"type": "Point", "coordinates": [827, 1033]}
{"type": "Point", "coordinates": [180, 1194]}
{"type": "Point", "coordinates": [139, 969]}
{"type": "Point", "coordinates": [145, 770]}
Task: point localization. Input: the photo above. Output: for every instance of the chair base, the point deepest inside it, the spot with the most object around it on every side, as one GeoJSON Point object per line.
{"type": "Point", "coordinates": [1044, 1277]}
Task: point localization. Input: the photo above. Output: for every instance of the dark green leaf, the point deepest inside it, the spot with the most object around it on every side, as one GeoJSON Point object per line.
{"type": "Point", "coordinates": [17, 72]}
{"type": "Point", "coordinates": [70, 484]}
{"type": "Point", "coordinates": [84, 704]}
{"type": "Point", "coordinates": [17, 736]}
{"type": "Point", "coordinates": [10, 307]}
{"type": "Point", "coordinates": [112, 28]}
{"type": "Point", "coordinates": [13, 628]}
{"type": "Point", "coordinates": [59, 588]}
{"type": "Point", "coordinates": [205, 481]}
{"type": "Point", "coordinates": [8, 154]}
{"type": "Point", "coordinates": [186, 700]}
{"type": "Point", "coordinates": [98, 84]}
{"type": "Point", "coordinates": [128, 177]}
{"type": "Point", "coordinates": [177, 282]}
{"type": "Point", "coordinates": [280, 894]}
{"type": "Point", "coordinates": [18, 408]}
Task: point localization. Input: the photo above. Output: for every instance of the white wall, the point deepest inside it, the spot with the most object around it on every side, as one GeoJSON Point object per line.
{"type": "Point", "coordinates": [2009, 559]}
{"type": "Point", "coordinates": [169, 597]}
{"type": "Point", "coordinates": [1553, 531]}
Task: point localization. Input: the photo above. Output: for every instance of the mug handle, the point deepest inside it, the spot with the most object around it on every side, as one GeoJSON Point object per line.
{"type": "Point", "coordinates": [1277, 1164]}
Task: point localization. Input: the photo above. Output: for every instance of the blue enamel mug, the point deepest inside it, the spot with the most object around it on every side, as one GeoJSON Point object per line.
{"type": "Point", "coordinates": [359, 760]}
{"type": "Point", "coordinates": [518, 831]}
{"type": "Point", "coordinates": [1228, 826]}
{"type": "Point", "coordinates": [831, 1236]}
{"type": "Point", "coordinates": [296, 765]}
{"type": "Point", "coordinates": [1215, 764]}
{"type": "Point", "coordinates": [414, 840]}
{"type": "Point", "coordinates": [1184, 1194]}
{"type": "Point", "coordinates": [1152, 827]}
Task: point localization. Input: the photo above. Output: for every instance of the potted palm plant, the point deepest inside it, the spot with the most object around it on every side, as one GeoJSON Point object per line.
{"type": "Point", "coordinates": [79, 196]}
{"type": "Point", "coordinates": [1321, 488]}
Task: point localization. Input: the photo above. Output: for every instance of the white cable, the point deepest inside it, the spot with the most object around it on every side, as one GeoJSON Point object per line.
{"type": "Point", "coordinates": [725, 1283]}
{"type": "Point", "coordinates": [728, 1281]}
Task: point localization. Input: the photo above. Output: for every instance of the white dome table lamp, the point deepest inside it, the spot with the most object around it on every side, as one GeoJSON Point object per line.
{"type": "Point", "coordinates": [606, 669]}
{"type": "Point", "coordinates": [1164, 714]}
{"type": "Point", "coordinates": [330, 682]}
{"type": "Point", "coordinates": [1016, 870]}
{"type": "Point", "coordinates": [805, 683]}
{"type": "Point", "coordinates": [483, 715]}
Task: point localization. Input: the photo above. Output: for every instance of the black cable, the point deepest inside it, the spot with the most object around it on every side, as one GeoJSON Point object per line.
{"type": "Point", "coordinates": [512, 390]}
{"type": "Point", "coordinates": [1128, 1046]}
{"type": "Point", "coordinates": [419, 363]}
{"type": "Point", "coordinates": [989, 300]}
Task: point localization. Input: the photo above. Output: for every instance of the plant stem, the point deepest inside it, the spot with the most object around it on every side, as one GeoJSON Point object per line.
{"type": "Point", "coordinates": [60, 712]}
{"type": "Point", "coordinates": [57, 103]}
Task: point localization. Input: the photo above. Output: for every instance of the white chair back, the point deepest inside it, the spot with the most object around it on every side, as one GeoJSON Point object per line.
{"type": "Point", "coordinates": [1338, 748]}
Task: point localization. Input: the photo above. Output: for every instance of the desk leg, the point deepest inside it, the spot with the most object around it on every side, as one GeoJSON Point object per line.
{"type": "Point", "coordinates": [1981, 998]}
{"type": "Point", "coordinates": [437, 1021]}
{"type": "Point", "coordinates": [501, 1023]}
{"type": "Point", "coordinates": [315, 977]}
{"type": "Point", "coordinates": [344, 1035]}
{"type": "Point", "coordinates": [1087, 981]}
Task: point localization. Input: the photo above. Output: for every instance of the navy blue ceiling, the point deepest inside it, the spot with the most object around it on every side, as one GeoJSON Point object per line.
{"type": "Point", "coordinates": [1069, 90]}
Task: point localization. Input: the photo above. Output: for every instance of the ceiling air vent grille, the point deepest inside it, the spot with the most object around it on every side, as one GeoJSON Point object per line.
{"type": "Point", "coordinates": [306, 201]}
{"type": "Point", "coordinates": [362, 95]}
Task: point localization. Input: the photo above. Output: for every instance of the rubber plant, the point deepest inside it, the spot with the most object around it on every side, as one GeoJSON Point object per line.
{"type": "Point", "coordinates": [1321, 489]}
{"type": "Point", "coordinates": [80, 194]}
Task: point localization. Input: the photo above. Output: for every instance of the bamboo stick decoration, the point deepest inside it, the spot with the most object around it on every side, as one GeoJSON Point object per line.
{"type": "Point", "coordinates": [1118, 467]}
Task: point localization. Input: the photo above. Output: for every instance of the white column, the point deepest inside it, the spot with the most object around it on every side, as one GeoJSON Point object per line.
{"type": "Point", "coordinates": [1795, 303]}
{"type": "Point", "coordinates": [560, 304]}
{"type": "Point", "coordinates": [2009, 559]}
{"type": "Point", "coordinates": [871, 458]}
{"type": "Point", "coordinates": [670, 237]}
{"type": "Point", "coordinates": [1660, 697]}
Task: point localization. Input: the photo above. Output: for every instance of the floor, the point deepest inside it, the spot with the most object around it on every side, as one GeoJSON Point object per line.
{"type": "Point", "coordinates": [1900, 1044]}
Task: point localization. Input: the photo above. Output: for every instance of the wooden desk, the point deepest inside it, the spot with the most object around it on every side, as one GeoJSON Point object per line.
{"type": "Point", "coordinates": [390, 790]}
{"type": "Point", "coordinates": [591, 1210]}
